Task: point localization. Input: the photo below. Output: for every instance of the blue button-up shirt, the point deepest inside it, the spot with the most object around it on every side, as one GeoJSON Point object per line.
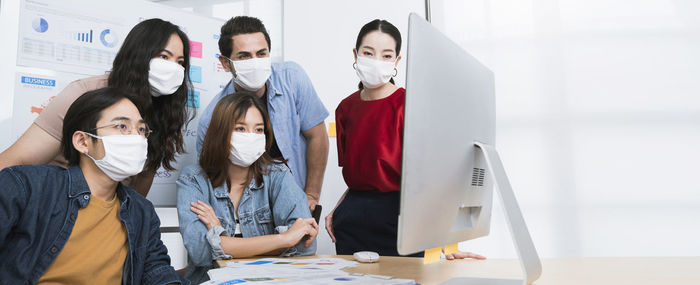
{"type": "Point", "coordinates": [293, 106]}
{"type": "Point", "coordinates": [38, 208]}
{"type": "Point", "coordinates": [265, 208]}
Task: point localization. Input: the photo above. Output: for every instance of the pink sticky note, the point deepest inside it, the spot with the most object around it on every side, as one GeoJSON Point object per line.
{"type": "Point", "coordinates": [195, 49]}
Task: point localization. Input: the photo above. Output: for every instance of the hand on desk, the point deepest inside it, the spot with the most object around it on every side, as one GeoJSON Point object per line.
{"type": "Point", "coordinates": [462, 255]}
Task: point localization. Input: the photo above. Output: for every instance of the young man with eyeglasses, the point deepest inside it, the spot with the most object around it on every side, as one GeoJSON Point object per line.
{"type": "Point", "coordinates": [81, 225]}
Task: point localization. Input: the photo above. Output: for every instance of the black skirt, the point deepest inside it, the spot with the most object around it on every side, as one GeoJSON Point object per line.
{"type": "Point", "coordinates": [367, 220]}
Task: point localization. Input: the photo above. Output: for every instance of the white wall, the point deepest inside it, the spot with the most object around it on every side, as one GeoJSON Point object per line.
{"type": "Point", "coordinates": [268, 11]}
{"type": "Point", "coordinates": [320, 35]}
{"type": "Point", "coordinates": [598, 119]}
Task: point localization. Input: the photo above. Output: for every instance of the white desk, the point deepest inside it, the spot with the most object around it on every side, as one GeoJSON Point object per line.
{"type": "Point", "coordinates": [584, 271]}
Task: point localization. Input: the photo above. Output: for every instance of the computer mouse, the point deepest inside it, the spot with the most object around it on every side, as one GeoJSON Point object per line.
{"type": "Point", "coordinates": [366, 256]}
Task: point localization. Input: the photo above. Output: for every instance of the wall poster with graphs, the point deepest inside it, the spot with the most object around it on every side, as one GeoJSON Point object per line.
{"type": "Point", "coordinates": [62, 41]}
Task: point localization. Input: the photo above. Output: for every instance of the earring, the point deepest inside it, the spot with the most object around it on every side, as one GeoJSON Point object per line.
{"type": "Point", "coordinates": [396, 72]}
{"type": "Point", "coordinates": [354, 65]}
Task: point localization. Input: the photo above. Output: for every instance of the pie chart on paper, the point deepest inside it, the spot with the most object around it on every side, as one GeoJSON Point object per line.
{"type": "Point", "coordinates": [40, 25]}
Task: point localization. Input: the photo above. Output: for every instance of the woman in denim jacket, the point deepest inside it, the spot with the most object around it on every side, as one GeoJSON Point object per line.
{"type": "Point", "coordinates": [239, 202]}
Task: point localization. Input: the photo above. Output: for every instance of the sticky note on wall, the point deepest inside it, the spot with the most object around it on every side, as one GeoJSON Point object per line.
{"type": "Point", "coordinates": [432, 255]}
{"type": "Point", "coordinates": [331, 129]}
{"type": "Point", "coordinates": [195, 49]}
{"type": "Point", "coordinates": [194, 100]}
{"type": "Point", "coordinates": [196, 73]}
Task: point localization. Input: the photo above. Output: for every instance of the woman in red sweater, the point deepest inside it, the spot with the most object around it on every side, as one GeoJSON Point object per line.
{"type": "Point", "coordinates": [369, 127]}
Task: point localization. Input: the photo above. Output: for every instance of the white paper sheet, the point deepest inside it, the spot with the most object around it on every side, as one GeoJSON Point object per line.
{"type": "Point", "coordinates": [295, 271]}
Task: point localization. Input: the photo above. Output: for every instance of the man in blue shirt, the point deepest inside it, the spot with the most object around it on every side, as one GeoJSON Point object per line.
{"type": "Point", "coordinates": [296, 113]}
{"type": "Point", "coordinates": [81, 225]}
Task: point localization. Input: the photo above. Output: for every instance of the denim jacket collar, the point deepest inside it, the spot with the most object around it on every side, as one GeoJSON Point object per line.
{"type": "Point", "coordinates": [78, 187]}
{"type": "Point", "coordinates": [222, 191]}
{"type": "Point", "coordinates": [123, 195]}
{"type": "Point", "coordinates": [254, 185]}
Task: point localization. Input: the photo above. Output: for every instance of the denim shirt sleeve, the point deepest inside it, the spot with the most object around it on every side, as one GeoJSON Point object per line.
{"type": "Point", "coordinates": [192, 229]}
{"type": "Point", "coordinates": [13, 199]}
{"type": "Point", "coordinates": [288, 204]}
{"type": "Point", "coordinates": [309, 106]}
{"type": "Point", "coordinates": [157, 269]}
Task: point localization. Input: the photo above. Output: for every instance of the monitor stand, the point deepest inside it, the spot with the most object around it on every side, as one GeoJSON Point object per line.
{"type": "Point", "coordinates": [527, 254]}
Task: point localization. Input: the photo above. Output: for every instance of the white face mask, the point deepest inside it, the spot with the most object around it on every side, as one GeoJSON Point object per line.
{"type": "Point", "coordinates": [374, 73]}
{"type": "Point", "coordinates": [251, 74]}
{"type": "Point", "coordinates": [246, 148]}
{"type": "Point", "coordinates": [125, 155]}
{"type": "Point", "coordinates": [165, 77]}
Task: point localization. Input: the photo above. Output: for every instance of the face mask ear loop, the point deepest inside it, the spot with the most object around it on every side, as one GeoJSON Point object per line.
{"type": "Point", "coordinates": [88, 155]}
{"type": "Point", "coordinates": [94, 136]}
{"type": "Point", "coordinates": [230, 65]}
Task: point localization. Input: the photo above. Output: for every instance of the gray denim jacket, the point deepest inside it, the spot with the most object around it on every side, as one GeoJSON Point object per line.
{"type": "Point", "coordinates": [269, 208]}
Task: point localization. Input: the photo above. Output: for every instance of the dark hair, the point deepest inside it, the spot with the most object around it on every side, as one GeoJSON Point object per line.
{"type": "Point", "coordinates": [166, 115]}
{"type": "Point", "coordinates": [383, 26]}
{"type": "Point", "coordinates": [240, 25]}
{"type": "Point", "coordinates": [83, 115]}
{"type": "Point", "coordinates": [217, 142]}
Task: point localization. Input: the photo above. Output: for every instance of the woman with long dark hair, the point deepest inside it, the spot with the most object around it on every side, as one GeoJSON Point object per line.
{"type": "Point", "coordinates": [152, 67]}
{"type": "Point", "coordinates": [369, 129]}
{"type": "Point", "coordinates": [239, 201]}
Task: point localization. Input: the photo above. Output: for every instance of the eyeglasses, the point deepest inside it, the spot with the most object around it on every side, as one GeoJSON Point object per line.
{"type": "Point", "coordinates": [125, 128]}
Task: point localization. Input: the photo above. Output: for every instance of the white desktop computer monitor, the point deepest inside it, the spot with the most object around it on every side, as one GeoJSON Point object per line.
{"type": "Point", "coordinates": [450, 168]}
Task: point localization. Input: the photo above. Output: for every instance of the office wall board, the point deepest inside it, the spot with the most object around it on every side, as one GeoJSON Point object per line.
{"type": "Point", "coordinates": [61, 41]}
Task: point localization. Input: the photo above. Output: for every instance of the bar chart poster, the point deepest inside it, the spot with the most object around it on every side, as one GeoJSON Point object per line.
{"type": "Point", "coordinates": [73, 36]}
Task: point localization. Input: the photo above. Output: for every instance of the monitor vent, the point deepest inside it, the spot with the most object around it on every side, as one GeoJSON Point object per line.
{"type": "Point", "coordinates": [478, 177]}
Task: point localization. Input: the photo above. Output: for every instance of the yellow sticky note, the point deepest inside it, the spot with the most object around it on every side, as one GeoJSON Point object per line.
{"type": "Point", "coordinates": [452, 248]}
{"type": "Point", "coordinates": [432, 255]}
{"type": "Point", "coordinates": [331, 130]}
